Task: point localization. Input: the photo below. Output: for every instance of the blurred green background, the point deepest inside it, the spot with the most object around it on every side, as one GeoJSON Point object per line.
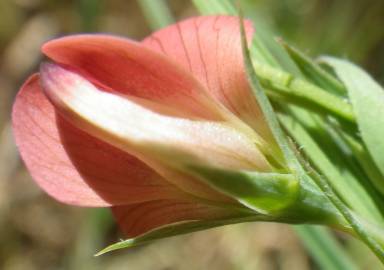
{"type": "Point", "coordinates": [39, 233]}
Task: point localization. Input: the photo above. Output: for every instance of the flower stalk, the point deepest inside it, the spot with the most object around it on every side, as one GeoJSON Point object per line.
{"type": "Point", "coordinates": [298, 91]}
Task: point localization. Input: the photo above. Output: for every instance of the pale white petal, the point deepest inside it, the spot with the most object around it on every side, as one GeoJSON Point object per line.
{"type": "Point", "coordinates": [147, 134]}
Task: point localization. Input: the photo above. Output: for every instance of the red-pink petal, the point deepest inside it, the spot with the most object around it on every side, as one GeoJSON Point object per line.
{"type": "Point", "coordinates": [73, 166]}
{"type": "Point", "coordinates": [210, 48]}
{"type": "Point", "coordinates": [137, 130]}
{"type": "Point", "coordinates": [125, 66]}
{"type": "Point", "coordinates": [167, 144]}
{"type": "Point", "coordinates": [141, 218]}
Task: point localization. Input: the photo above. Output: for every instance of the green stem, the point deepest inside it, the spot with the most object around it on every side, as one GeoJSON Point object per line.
{"type": "Point", "coordinates": [357, 226]}
{"type": "Point", "coordinates": [362, 156]}
{"type": "Point", "coordinates": [375, 232]}
{"type": "Point", "coordinates": [286, 84]}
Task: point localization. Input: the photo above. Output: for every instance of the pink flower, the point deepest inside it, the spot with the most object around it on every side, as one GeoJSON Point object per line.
{"type": "Point", "coordinates": [116, 123]}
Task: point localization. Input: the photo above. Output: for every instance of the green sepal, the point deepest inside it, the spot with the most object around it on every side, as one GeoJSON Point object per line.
{"type": "Point", "coordinates": [179, 229]}
{"type": "Point", "coordinates": [367, 98]}
{"type": "Point", "coordinates": [283, 197]}
{"type": "Point", "coordinates": [298, 204]}
{"type": "Point", "coordinates": [312, 206]}
{"type": "Point", "coordinates": [265, 193]}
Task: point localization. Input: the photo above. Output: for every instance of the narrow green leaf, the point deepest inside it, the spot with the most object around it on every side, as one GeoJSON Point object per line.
{"type": "Point", "coordinates": [367, 98]}
{"type": "Point", "coordinates": [323, 247]}
{"type": "Point", "coordinates": [313, 71]}
{"type": "Point", "coordinates": [265, 193]}
{"type": "Point", "coordinates": [156, 12]}
{"type": "Point", "coordinates": [178, 229]}
{"type": "Point", "coordinates": [341, 180]}
{"type": "Point", "coordinates": [352, 156]}
{"type": "Point", "coordinates": [273, 50]}
{"type": "Point", "coordinates": [265, 104]}
{"type": "Point", "coordinates": [361, 230]}
{"type": "Point", "coordinates": [365, 159]}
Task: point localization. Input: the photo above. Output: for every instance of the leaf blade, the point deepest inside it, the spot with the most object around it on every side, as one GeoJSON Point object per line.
{"type": "Point", "coordinates": [177, 229]}
{"type": "Point", "coordinates": [323, 247]}
{"type": "Point", "coordinates": [367, 98]}
{"type": "Point", "coordinates": [313, 71]}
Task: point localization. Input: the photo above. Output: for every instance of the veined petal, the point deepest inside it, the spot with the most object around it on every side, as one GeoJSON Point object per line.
{"type": "Point", "coordinates": [175, 142]}
{"type": "Point", "coordinates": [118, 64]}
{"type": "Point", "coordinates": [140, 218]}
{"type": "Point", "coordinates": [73, 166]}
{"type": "Point", "coordinates": [210, 48]}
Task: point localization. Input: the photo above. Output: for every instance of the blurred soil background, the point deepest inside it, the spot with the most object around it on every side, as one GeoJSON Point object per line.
{"type": "Point", "coordinates": [38, 233]}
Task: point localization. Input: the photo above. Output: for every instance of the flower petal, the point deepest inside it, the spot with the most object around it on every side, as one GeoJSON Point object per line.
{"type": "Point", "coordinates": [122, 65]}
{"type": "Point", "coordinates": [141, 218]}
{"type": "Point", "coordinates": [154, 138]}
{"type": "Point", "coordinates": [210, 48]}
{"type": "Point", "coordinates": [129, 126]}
{"type": "Point", "coordinates": [73, 166]}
